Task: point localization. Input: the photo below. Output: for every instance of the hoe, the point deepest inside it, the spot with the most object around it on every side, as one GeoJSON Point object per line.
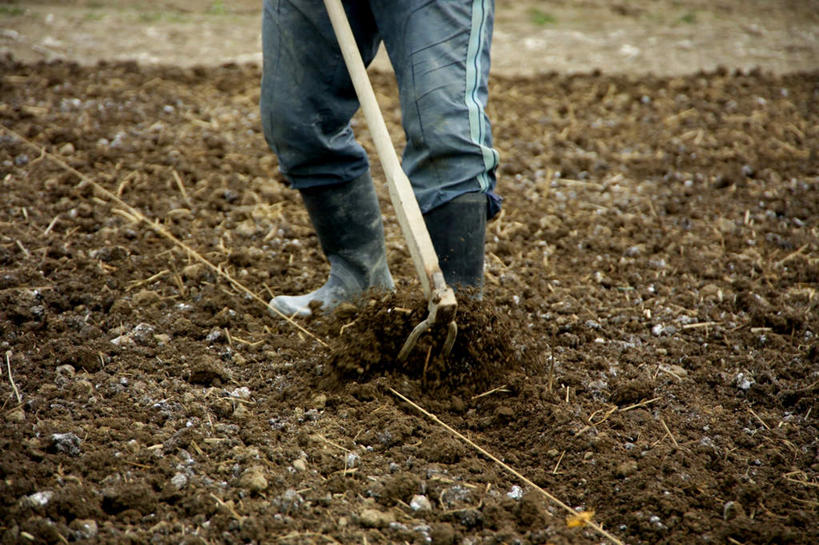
{"type": "Point", "coordinates": [442, 305]}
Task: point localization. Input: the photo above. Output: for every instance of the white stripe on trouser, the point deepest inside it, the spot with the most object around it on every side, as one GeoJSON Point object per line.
{"type": "Point", "coordinates": [477, 128]}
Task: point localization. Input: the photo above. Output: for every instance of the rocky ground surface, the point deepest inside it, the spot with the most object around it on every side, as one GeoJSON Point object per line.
{"type": "Point", "coordinates": [646, 350]}
{"type": "Point", "coordinates": [645, 356]}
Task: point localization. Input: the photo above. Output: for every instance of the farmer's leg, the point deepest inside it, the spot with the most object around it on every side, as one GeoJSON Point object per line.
{"type": "Point", "coordinates": [307, 100]}
{"type": "Point", "coordinates": [440, 51]}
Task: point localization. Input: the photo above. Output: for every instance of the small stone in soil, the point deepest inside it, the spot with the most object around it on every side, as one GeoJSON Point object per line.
{"type": "Point", "coordinates": [207, 372]}
{"type": "Point", "coordinates": [351, 460]}
{"type": "Point", "coordinates": [242, 392]}
{"type": "Point", "coordinates": [40, 499]}
{"type": "Point", "coordinates": [732, 510]}
{"type": "Point", "coordinates": [67, 443]}
{"type": "Point", "coordinates": [456, 496]}
{"type": "Point", "coordinates": [143, 333]}
{"type": "Point", "coordinates": [179, 481]}
{"type": "Point", "coordinates": [241, 413]}
{"type": "Point", "coordinates": [66, 371]}
{"type": "Point", "coordinates": [290, 501]}
{"type": "Point", "coordinates": [83, 529]}
{"type": "Point", "coordinates": [515, 492]}
{"type": "Point", "coordinates": [420, 503]}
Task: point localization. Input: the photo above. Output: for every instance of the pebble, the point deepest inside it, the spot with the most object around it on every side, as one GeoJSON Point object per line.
{"type": "Point", "coordinates": [143, 333]}
{"type": "Point", "coordinates": [68, 443]}
{"type": "Point", "coordinates": [195, 271]}
{"type": "Point", "coordinates": [456, 496]}
{"type": "Point", "coordinates": [246, 228]}
{"type": "Point", "coordinates": [515, 492]}
{"type": "Point", "coordinates": [420, 503]}
{"type": "Point", "coordinates": [346, 310]}
{"type": "Point", "coordinates": [242, 392]}
{"type": "Point", "coordinates": [373, 518]}
{"type": "Point", "coordinates": [179, 481]}
{"type": "Point", "coordinates": [732, 510]}
{"type": "Point", "coordinates": [133, 446]}
{"type": "Point", "coordinates": [84, 529]}
{"type": "Point", "coordinates": [67, 149]}
{"type": "Point", "coordinates": [675, 370]}
{"type": "Point", "coordinates": [290, 501]}
{"type": "Point", "coordinates": [241, 413]}
{"type": "Point", "coordinates": [351, 460]}
{"type": "Point", "coordinates": [469, 518]}
{"type": "Point", "coordinates": [123, 340]}
{"type": "Point", "coordinates": [253, 480]}
{"type": "Point", "coordinates": [40, 499]}
{"type": "Point", "coordinates": [83, 387]}
{"type": "Point", "coordinates": [214, 336]}
{"type": "Point", "coordinates": [299, 464]}
{"type": "Point", "coordinates": [743, 382]}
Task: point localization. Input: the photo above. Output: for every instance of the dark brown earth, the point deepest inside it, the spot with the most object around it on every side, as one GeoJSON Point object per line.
{"type": "Point", "coordinates": [646, 348]}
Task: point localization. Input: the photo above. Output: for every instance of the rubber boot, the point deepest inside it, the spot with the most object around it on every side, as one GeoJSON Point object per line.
{"type": "Point", "coordinates": [347, 220]}
{"type": "Point", "coordinates": [458, 232]}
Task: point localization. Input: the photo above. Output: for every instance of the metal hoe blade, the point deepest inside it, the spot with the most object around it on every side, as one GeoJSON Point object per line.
{"type": "Point", "coordinates": [442, 307]}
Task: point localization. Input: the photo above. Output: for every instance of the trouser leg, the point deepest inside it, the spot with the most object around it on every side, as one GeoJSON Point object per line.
{"type": "Point", "coordinates": [307, 101]}
{"type": "Point", "coordinates": [440, 52]}
{"type": "Point", "coordinates": [307, 98]}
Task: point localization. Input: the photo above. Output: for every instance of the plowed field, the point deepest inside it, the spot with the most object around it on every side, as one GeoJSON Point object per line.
{"type": "Point", "coordinates": [645, 352]}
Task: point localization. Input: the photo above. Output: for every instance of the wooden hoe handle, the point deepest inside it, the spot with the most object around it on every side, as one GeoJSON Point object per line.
{"type": "Point", "coordinates": [403, 199]}
{"type": "Point", "coordinates": [440, 297]}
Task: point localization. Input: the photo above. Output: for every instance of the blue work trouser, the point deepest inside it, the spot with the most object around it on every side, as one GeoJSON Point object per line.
{"type": "Point", "coordinates": [440, 53]}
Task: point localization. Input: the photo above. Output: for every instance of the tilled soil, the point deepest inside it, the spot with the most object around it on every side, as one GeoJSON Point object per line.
{"type": "Point", "coordinates": [645, 351]}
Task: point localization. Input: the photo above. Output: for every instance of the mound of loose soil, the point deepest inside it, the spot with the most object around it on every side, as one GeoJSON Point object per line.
{"type": "Point", "coordinates": [646, 348]}
{"type": "Point", "coordinates": [487, 346]}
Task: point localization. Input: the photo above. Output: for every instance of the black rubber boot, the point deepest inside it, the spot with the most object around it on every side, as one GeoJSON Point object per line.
{"type": "Point", "coordinates": [347, 220]}
{"type": "Point", "coordinates": [458, 232]}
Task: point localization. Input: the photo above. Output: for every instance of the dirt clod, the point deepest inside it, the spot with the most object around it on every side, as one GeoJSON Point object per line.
{"type": "Point", "coordinates": [253, 480]}
{"type": "Point", "coordinates": [134, 496]}
{"type": "Point", "coordinates": [442, 534]}
{"type": "Point", "coordinates": [373, 518]}
{"type": "Point", "coordinates": [208, 372]}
